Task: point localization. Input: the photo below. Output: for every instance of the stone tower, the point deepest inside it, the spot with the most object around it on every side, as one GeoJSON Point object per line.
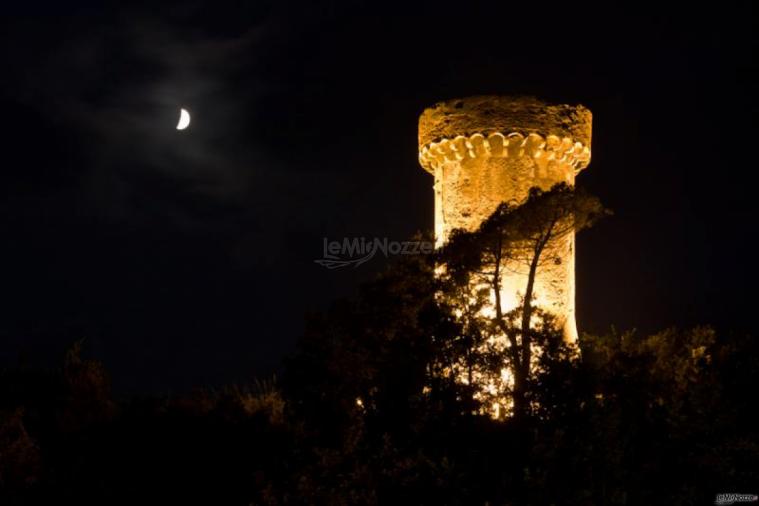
{"type": "Point", "coordinates": [489, 149]}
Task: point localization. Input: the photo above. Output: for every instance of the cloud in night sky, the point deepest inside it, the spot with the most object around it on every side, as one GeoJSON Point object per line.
{"type": "Point", "coordinates": [119, 83]}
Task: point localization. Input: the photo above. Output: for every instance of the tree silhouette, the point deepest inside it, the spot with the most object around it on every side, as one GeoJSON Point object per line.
{"type": "Point", "coordinates": [380, 404]}
{"type": "Point", "coordinates": [475, 265]}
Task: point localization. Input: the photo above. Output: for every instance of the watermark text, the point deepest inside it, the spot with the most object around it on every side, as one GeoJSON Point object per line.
{"type": "Point", "coordinates": [355, 251]}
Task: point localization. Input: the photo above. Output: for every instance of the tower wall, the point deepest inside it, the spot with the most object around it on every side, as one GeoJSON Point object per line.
{"type": "Point", "coordinates": [486, 150]}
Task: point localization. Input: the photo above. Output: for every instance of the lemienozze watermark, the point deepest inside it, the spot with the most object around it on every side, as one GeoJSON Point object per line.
{"type": "Point", "coordinates": [725, 499]}
{"type": "Point", "coordinates": [354, 251]}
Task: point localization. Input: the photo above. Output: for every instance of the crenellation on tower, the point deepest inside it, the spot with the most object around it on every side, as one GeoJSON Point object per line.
{"type": "Point", "coordinates": [487, 114]}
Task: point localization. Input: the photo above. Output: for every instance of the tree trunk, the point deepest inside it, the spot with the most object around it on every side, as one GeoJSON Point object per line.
{"type": "Point", "coordinates": [521, 407]}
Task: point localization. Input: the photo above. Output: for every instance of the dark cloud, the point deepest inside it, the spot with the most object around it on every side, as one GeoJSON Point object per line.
{"type": "Point", "coordinates": [120, 82]}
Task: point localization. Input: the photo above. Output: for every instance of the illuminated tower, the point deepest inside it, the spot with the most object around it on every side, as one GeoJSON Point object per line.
{"type": "Point", "coordinates": [490, 149]}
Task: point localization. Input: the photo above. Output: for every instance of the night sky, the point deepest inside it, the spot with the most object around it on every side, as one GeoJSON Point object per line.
{"type": "Point", "coordinates": [187, 258]}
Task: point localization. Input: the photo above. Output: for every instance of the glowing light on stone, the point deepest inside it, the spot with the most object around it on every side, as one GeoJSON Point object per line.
{"type": "Point", "coordinates": [524, 143]}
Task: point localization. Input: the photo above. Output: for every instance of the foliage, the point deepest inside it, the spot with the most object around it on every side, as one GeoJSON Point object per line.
{"type": "Point", "coordinates": [515, 238]}
{"type": "Point", "coordinates": [371, 410]}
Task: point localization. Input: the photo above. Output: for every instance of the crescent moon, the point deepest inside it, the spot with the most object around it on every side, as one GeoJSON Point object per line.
{"type": "Point", "coordinates": [184, 119]}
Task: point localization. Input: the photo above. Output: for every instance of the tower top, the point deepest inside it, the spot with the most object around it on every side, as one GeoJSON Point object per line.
{"type": "Point", "coordinates": [505, 114]}
{"type": "Point", "coordinates": [557, 130]}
